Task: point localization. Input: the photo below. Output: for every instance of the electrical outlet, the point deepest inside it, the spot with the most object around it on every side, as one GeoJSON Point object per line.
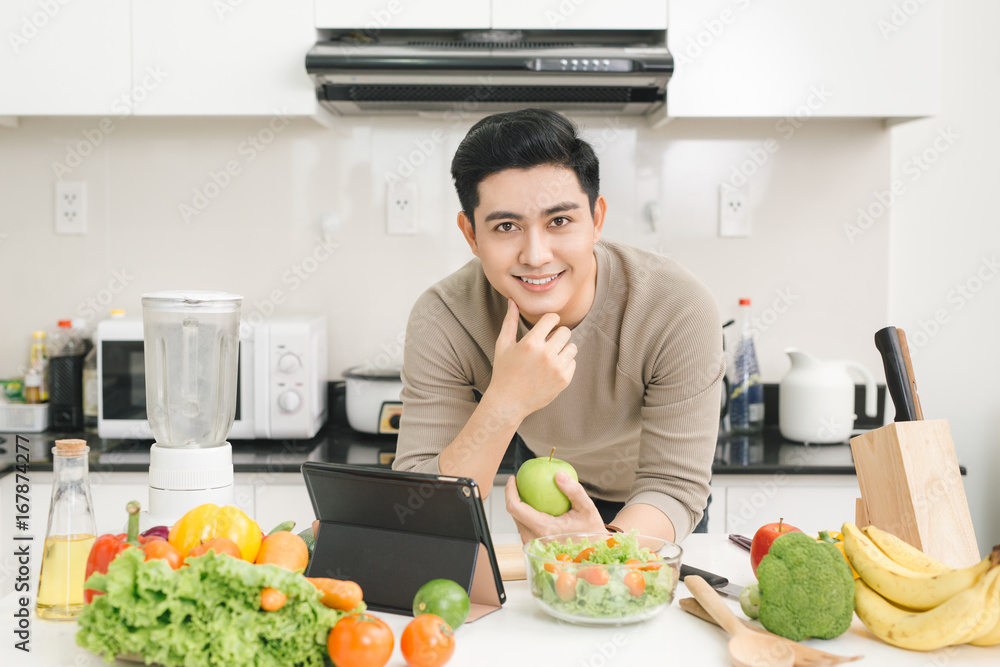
{"type": "Point", "coordinates": [734, 211]}
{"type": "Point", "coordinates": [71, 207]}
{"type": "Point", "coordinates": [401, 208]}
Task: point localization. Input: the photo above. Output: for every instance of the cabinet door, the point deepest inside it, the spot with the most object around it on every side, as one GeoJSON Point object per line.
{"type": "Point", "coordinates": [811, 505]}
{"type": "Point", "coordinates": [64, 58]}
{"type": "Point", "coordinates": [864, 58]}
{"type": "Point", "coordinates": [372, 16]}
{"type": "Point", "coordinates": [580, 14]}
{"type": "Point", "coordinates": [227, 57]}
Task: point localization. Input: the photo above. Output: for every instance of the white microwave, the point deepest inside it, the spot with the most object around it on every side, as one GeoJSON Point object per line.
{"type": "Point", "coordinates": [281, 392]}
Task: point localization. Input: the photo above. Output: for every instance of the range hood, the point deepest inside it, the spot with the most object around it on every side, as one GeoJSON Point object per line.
{"type": "Point", "coordinates": [400, 72]}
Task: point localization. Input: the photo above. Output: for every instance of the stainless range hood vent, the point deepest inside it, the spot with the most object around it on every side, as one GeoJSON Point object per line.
{"type": "Point", "coordinates": [620, 72]}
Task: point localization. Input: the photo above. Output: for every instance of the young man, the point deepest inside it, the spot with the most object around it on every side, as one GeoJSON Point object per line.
{"type": "Point", "coordinates": [609, 354]}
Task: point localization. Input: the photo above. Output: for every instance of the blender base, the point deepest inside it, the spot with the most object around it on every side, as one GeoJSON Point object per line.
{"type": "Point", "coordinates": [181, 478]}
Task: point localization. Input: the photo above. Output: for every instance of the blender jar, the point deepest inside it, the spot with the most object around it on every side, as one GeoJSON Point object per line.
{"type": "Point", "coordinates": [192, 357]}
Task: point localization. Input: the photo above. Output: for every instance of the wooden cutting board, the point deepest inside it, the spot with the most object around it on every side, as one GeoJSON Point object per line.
{"type": "Point", "coordinates": [510, 558]}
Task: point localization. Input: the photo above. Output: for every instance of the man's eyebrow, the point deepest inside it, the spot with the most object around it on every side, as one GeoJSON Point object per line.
{"type": "Point", "coordinates": [496, 215]}
{"type": "Point", "coordinates": [562, 206]}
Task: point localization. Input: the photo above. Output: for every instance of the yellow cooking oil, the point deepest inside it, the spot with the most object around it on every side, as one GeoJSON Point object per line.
{"type": "Point", "coordinates": [60, 582]}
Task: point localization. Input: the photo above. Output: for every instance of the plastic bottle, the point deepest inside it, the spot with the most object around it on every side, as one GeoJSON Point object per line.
{"type": "Point", "coordinates": [746, 393]}
{"type": "Point", "coordinates": [39, 360]}
{"type": "Point", "coordinates": [66, 381]}
{"type": "Point", "coordinates": [32, 386]}
{"type": "Point", "coordinates": [70, 534]}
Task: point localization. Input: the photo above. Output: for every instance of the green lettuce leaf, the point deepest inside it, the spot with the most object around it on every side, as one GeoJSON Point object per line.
{"type": "Point", "coordinates": [206, 613]}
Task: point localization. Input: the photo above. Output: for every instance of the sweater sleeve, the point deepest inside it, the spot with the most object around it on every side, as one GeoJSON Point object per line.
{"type": "Point", "coordinates": [680, 415]}
{"type": "Point", "coordinates": [437, 394]}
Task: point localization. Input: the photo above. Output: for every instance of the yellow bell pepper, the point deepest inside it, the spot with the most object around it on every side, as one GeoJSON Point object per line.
{"type": "Point", "coordinates": [207, 521]}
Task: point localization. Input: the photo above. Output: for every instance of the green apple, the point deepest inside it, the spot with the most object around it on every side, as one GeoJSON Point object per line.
{"type": "Point", "coordinates": [536, 484]}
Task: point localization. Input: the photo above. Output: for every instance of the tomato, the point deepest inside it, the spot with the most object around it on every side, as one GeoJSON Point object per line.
{"type": "Point", "coordinates": [612, 543]}
{"type": "Point", "coordinates": [584, 555]}
{"type": "Point", "coordinates": [566, 586]}
{"type": "Point", "coordinates": [220, 545]}
{"type": "Point", "coordinates": [564, 557]}
{"type": "Point", "coordinates": [633, 563]}
{"type": "Point", "coordinates": [552, 568]}
{"type": "Point", "coordinates": [360, 640]}
{"type": "Point", "coordinates": [652, 564]}
{"type": "Point", "coordinates": [159, 548]}
{"type": "Point", "coordinates": [595, 576]}
{"type": "Point", "coordinates": [636, 583]}
{"type": "Point", "coordinates": [426, 642]}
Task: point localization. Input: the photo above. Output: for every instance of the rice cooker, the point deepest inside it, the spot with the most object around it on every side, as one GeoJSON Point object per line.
{"type": "Point", "coordinates": [373, 403]}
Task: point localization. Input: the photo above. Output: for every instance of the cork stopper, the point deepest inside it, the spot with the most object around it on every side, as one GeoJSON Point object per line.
{"type": "Point", "coordinates": [70, 447]}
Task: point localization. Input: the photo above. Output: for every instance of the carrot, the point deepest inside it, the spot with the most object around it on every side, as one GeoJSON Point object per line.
{"type": "Point", "coordinates": [288, 551]}
{"type": "Point", "coordinates": [337, 594]}
{"type": "Point", "coordinates": [272, 599]}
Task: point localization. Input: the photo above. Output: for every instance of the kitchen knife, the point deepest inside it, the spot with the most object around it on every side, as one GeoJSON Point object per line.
{"type": "Point", "coordinates": [909, 372]}
{"type": "Point", "coordinates": [896, 379]}
{"type": "Point", "coordinates": [720, 584]}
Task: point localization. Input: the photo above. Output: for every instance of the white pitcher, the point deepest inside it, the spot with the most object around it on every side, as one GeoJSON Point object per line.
{"type": "Point", "coordinates": [816, 399]}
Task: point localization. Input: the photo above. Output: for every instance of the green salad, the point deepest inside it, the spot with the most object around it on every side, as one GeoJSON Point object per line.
{"type": "Point", "coordinates": [629, 581]}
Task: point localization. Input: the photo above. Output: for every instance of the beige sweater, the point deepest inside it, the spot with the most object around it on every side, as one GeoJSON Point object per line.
{"type": "Point", "coordinates": [640, 419]}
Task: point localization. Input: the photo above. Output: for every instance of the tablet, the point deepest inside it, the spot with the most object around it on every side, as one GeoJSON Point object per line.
{"type": "Point", "coordinates": [392, 532]}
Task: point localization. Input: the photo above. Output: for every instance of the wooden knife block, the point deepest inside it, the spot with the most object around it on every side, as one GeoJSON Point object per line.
{"type": "Point", "coordinates": [911, 486]}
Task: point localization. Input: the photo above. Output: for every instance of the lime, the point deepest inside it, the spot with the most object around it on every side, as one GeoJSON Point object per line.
{"type": "Point", "coordinates": [444, 598]}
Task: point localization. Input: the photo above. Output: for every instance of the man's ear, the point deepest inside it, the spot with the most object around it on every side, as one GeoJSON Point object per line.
{"type": "Point", "coordinates": [468, 231]}
{"type": "Point", "coordinates": [600, 208]}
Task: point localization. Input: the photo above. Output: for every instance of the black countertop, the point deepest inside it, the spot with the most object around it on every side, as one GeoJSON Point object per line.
{"type": "Point", "coordinates": [761, 454]}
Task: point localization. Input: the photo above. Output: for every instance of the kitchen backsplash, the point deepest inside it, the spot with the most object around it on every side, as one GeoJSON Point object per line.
{"type": "Point", "coordinates": [292, 215]}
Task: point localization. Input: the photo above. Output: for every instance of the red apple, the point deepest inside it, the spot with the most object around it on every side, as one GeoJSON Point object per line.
{"type": "Point", "coordinates": [764, 537]}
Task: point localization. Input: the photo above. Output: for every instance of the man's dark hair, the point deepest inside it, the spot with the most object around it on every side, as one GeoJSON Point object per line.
{"type": "Point", "coordinates": [520, 140]}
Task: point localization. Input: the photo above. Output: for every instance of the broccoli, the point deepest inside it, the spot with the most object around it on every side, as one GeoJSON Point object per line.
{"type": "Point", "coordinates": [806, 589]}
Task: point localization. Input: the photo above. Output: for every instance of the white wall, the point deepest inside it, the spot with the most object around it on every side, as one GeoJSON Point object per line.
{"type": "Point", "coordinates": [944, 281]}
{"type": "Point", "coordinates": [812, 287]}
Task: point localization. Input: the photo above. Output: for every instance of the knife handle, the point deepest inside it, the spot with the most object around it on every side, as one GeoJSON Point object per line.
{"type": "Point", "coordinates": [713, 580]}
{"type": "Point", "coordinates": [896, 379]}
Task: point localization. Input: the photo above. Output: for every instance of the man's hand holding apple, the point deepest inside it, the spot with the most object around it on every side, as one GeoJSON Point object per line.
{"type": "Point", "coordinates": [582, 516]}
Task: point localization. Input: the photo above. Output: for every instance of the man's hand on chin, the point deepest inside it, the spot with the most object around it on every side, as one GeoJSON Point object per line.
{"type": "Point", "coordinates": [582, 517]}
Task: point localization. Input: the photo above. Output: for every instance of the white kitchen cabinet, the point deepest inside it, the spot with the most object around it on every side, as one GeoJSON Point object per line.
{"type": "Point", "coordinates": [282, 497]}
{"type": "Point", "coordinates": [580, 14]}
{"type": "Point", "coordinates": [64, 58]}
{"type": "Point", "coordinates": [743, 503]}
{"type": "Point", "coordinates": [373, 16]}
{"type": "Point", "coordinates": [229, 57]}
{"type": "Point", "coordinates": [794, 59]}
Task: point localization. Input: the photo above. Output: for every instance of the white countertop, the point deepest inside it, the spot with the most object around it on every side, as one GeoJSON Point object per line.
{"type": "Point", "coordinates": [522, 634]}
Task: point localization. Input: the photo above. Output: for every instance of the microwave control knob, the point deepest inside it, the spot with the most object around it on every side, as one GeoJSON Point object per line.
{"type": "Point", "coordinates": [289, 363]}
{"type": "Point", "coordinates": [289, 401]}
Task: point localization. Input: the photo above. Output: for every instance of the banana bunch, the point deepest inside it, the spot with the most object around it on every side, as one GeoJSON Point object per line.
{"type": "Point", "coordinates": [912, 601]}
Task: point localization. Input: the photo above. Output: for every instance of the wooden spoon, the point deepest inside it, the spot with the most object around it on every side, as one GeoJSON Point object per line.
{"type": "Point", "coordinates": [746, 648]}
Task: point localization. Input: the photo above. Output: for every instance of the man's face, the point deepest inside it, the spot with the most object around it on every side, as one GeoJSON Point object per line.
{"type": "Point", "coordinates": [535, 236]}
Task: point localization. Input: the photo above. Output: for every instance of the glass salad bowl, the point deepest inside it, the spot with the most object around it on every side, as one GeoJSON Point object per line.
{"type": "Point", "coordinates": [602, 578]}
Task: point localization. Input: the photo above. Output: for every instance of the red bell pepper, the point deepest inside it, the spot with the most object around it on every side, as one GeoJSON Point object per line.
{"type": "Point", "coordinates": [107, 547]}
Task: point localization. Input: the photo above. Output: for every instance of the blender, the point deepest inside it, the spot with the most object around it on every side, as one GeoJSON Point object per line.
{"type": "Point", "coordinates": [191, 347]}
